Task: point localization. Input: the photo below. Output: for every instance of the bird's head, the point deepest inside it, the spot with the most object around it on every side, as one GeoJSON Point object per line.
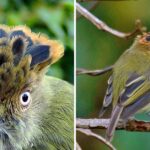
{"type": "Point", "coordinates": [142, 42]}
{"type": "Point", "coordinates": [23, 58]}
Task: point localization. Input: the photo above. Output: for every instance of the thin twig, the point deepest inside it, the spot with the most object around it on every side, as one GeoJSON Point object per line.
{"type": "Point", "coordinates": [130, 125]}
{"type": "Point", "coordinates": [91, 7]}
{"type": "Point", "coordinates": [88, 132]}
{"type": "Point", "coordinates": [88, 0]}
{"type": "Point", "coordinates": [104, 27]}
{"type": "Point", "coordinates": [81, 71]}
{"type": "Point", "coordinates": [78, 146]}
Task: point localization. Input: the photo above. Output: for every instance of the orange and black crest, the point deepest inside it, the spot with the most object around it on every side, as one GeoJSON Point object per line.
{"type": "Point", "coordinates": [23, 52]}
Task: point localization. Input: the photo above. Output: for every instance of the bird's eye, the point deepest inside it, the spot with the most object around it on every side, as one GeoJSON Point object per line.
{"type": "Point", "coordinates": [148, 38]}
{"type": "Point", "coordinates": [25, 99]}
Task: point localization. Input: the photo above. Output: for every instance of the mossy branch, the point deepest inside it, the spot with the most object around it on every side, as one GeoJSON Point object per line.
{"type": "Point", "coordinates": [130, 125]}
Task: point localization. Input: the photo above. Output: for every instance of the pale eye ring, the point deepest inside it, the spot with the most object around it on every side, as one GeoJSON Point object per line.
{"type": "Point", "coordinates": [25, 99]}
{"type": "Point", "coordinates": [148, 38]}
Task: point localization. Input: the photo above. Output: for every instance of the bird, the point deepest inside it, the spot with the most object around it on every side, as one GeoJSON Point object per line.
{"type": "Point", "coordinates": [128, 90]}
{"type": "Point", "coordinates": [36, 110]}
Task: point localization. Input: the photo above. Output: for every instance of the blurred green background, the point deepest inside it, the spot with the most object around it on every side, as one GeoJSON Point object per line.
{"type": "Point", "coordinates": [54, 18]}
{"type": "Point", "coordinates": [97, 49]}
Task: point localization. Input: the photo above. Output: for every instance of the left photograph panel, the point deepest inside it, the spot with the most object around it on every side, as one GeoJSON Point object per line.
{"type": "Point", "coordinates": [37, 75]}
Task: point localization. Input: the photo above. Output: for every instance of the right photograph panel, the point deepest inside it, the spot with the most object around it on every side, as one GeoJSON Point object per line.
{"type": "Point", "coordinates": [113, 75]}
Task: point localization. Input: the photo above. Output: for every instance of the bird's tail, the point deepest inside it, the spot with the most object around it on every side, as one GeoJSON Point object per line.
{"type": "Point", "coordinates": [102, 111]}
{"type": "Point", "coordinates": [113, 122]}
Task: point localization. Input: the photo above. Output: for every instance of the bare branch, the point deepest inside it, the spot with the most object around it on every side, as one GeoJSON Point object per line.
{"type": "Point", "coordinates": [101, 139]}
{"type": "Point", "coordinates": [78, 146]}
{"type": "Point", "coordinates": [130, 125]}
{"type": "Point", "coordinates": [104, 27]}
{"type": "Point", "coordinates": [88, 0]}
{"type": "Point", "coordinates": [81, 71]}
{"type": "Point", "coordinates": [91, 7]}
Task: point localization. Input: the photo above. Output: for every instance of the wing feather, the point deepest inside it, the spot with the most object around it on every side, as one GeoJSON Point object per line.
{"type": "Point", "coordinates": [108, 97]}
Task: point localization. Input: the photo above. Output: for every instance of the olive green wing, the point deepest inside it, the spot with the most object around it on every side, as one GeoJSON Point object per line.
{"type": "Point", "coordinates": [108, 97]}
{"type": "Point", "coordinates": [134, 97]}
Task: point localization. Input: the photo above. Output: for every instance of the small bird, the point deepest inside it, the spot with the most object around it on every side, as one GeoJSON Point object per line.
{"type": "Point", "coordinates": [36, 110]}
{"type": "Point", "coordinates": [129, 85]}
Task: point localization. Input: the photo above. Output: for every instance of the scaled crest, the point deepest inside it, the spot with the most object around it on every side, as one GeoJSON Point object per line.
{"type": "Point", "coordinates": [23, 53]}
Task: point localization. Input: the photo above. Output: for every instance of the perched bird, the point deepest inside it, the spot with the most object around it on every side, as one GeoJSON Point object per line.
{"type": "Point", "coordinates": [36, 111]}
{"type": "Point", "coordinates": [129, 85]}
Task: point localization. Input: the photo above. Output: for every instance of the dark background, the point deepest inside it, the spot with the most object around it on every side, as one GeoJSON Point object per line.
{"type": "Point", "coordinates": [54, 18]}
{"type": "Point", "coordinates": [97, 49]}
